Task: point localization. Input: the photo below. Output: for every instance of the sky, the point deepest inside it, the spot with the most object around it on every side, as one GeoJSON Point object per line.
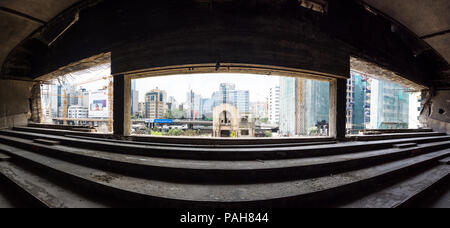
{"type": "Point", "coordinates": [205, 84]}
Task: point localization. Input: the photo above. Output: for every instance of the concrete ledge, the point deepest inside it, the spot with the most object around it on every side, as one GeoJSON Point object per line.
{"type": "Point", "coordinates": [405, 145]}
{"type": "Point", "coordinates": [47, 193]}
{"type": "Point", "coordinates": [225, 153]}
{"type": "Point", "coordinates": [4, 157]}
{"type": "Point", "coordinates": [401, 194]}
{"type": "Point", "coordinates": [296, 193]}
{"type": "Point", "coordinates": [222, 171]}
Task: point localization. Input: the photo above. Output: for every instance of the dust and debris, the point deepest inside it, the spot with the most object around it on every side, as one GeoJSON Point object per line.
{"type": "Point", "coordinates": [105, 177]}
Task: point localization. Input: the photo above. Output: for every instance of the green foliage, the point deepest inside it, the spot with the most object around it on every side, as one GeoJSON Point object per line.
{"type": "Point", "coordinates": [175, 132]}
{"type": "Point", "coordinates": [156, 133]}
{"type": "Point", "coordinates": [313, 131]}
{"type": "Point", "coordinates": [267, 134]}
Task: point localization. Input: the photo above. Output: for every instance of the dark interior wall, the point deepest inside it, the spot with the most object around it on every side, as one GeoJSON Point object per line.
{"type": "Point", "coordinates": [14, 103]}
{"type": "Point", "coordinates": [145, 34]}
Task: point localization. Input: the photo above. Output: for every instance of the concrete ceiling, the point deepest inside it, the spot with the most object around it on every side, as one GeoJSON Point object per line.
{"type": "Point", "coordinates": [20, 18]}
{"type": "Point", "coordinates": [428, 19]}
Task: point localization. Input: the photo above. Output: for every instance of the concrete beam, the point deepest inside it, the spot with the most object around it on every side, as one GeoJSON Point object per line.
{"type": "Point", "coordinates": [122, 105]}
{"type": "Point", "coordinates": [338, 103]}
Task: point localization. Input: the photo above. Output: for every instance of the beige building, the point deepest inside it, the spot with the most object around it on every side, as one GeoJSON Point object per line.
{"type": "Point", "coordinates": [228, 121]}
{"type": "Point", "coordinates": [155, 104]}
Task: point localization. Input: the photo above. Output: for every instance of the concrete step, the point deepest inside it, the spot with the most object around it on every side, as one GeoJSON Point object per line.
{"type": "Point", "coordinates": [223, 171]}
{"type": "Point", "coordinates": [10, 197]}
{"type": "Point", "coordinates": [49, 193]}
{"type": "Point", "coordinates": [54, 126]}
{"type": "Point", "coordinates": [221, 141]}
{"type": "Point", "coordinates": [405, 145]}
{"type": "Point", "coordinates": [392, 136]}
{"type": "Point", "coordinates": [46, 142]}
{"type": "Point", "coordinates": [445, 161]}
{"type": "Point", "coordinates": [295, 193]}
{"type": "Point", "coordinates": [226, 153]}
{"type": "Point", "coordinates": [205, 146]}
{"type": "Point", "coordinates": [4, 157]}
{"type": "Point", "coordinates": [404, 192]}
{"type": "Point", "coordinates": [181, 140]}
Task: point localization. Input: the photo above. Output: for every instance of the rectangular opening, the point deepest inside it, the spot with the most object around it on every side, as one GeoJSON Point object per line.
{"type": "Point", "coordinates": [80, 100]}
{"type": "Point", "coordinates": [230, 105]}
{"type": "Point", "coordinates": [374, 103]}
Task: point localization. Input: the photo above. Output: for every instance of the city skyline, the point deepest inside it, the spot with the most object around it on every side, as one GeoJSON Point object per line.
{"type": "Point", "coordinates": [206, 84]}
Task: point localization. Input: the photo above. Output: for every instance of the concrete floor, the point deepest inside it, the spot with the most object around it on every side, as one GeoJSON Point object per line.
{"type": "Point", "coordinates": [440, 198]}
{"type": "Point", "coordinates": [9, 198]}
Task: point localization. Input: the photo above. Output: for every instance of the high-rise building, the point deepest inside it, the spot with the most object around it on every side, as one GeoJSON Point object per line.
{"type": "Point", "coordinates": [172, 103]}
{"type": "Point", "coordinates": [289, 106]}
{"type": "Point", "coordinates": [302, 111]}
{"type": "Point", "coordinates": [389, 106]}
{"type": "Point", "coordinates": [56, 101]}
{"type": "Point", "coordinates": [134, 98]}
{"type": "Point", "coordinates": [208, 104]}
{"type": "Point", "coordinates": [315, 108]}
{"type": "Point", "coordinates": [155, 104]}
{"type": "Point", "coordinates": [358, 102]}
{"type": "Point", "coordinates": [274, 105]}
{"type": "Point", "coordinates": [242, 100]}
{"type": "Point", "coordinates": [194, 109]}
{"type": "Point", "coordinates": [228, 94]}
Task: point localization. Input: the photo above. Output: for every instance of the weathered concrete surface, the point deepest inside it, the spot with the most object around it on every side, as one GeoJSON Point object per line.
{"type": "Point", "coordinates": [399, 194]}
{"type": "Point", "coordinates": [47, 192]}
{"type": "Point", "coordinates": [14, 103]}
{"type": "Point", "coordinates": [436, 114]}
{"type": "Point", "coordinates": [434, 18]}
{"type": "Point", "coordinates": [276, 33]}
{"type": "Point", "coordinates": [187, 194]}
{"type": "Point", "coordinates": [200, 171]}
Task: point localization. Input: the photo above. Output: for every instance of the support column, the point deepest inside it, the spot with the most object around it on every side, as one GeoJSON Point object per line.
{"type": "Point", "coordinates": [122, 105]}
{"type": "Point", "coordinates": [338, 108]}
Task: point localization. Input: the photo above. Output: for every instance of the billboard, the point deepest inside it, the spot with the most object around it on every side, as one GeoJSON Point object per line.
{"type": "Point", "coordinates": [98, 104]}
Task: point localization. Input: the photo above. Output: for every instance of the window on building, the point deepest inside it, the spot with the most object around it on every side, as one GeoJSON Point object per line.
{"type": "Point", "coordinates": [80, 99]}
{"type": "Point", "coordinates": [230, 105]}
{"type": "Point", "coordinates": [380, 104]}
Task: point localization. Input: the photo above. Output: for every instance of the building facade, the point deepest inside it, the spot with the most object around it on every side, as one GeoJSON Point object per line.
{"type": "Point", "coordinates": [78, 112]}
{"type": "Point", "coordinates": [389, 106]}
{"type": "Point", "coordinates": [302, 110]}
{"type": "Point", "coordinates": [194, 107]}
{"type": "Point", "coordinates": [228, 94]}
{"type": "Point", "coordinates": [274, 105]}
{"type": "Point", "coordinates": [155, 104]}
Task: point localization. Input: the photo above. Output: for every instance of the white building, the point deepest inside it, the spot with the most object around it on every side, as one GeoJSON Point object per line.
{"type": "Point", "coordinates": [415, 100]}
{"type": "Point", "coordinates": [194, 108]}
{"type": "Point", "coordinates": [274, 105]}
{"type": "Point", "coordinates": [78, 112]}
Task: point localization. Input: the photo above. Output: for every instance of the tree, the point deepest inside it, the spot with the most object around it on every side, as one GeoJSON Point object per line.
{"type": "Point", "coordinates": [168, 115]}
